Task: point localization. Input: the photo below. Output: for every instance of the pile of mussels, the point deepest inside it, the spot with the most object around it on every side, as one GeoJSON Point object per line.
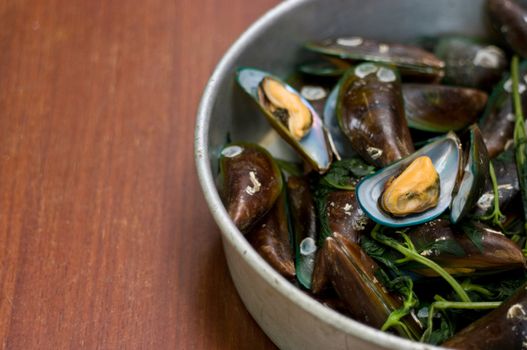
{"type": "Point", "coordinates": [408, 212]}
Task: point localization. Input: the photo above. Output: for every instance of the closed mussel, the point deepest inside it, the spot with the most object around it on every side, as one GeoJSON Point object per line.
{"type": "Point", "coordinates": [304, 222]}
{"type": "Point", "coordinates": [502, 328]}
{"type": "Point", "coordinates": [441, 108]}
{"type": "Point", "coordinates": [410, 60]}
{"type": "Point", "coordinates": [472, 247]}
{"type": "Point", "coordinates": [352, 273]}
{"type": "Point", "coordinates": [250, 183]}
{"type": "Point", "coordinates": [471, 63]}
{"type": "Point", "coordinates": [497, 122]}
{"type": "Point", "coordinates": [370, 112]}
{"type": "Point", "coordinates": [474, 177]}
{"type": "Point", "coordinates": [271, 239]}
{"type": "Point", "coordinates": [290, 115]}
{"type": "Point", "coordinates": [508, 18]}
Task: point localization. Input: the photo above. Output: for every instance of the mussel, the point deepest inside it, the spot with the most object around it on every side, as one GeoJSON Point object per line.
{"type": "Point", "coordinates": [502, 328]}
{"type": "Point", "coordinates": [441, 108]}
{"type": "Point", "coordinates": [413, 191]}
{"type": "Point", "coordinates": [508, 17]}
{"type": "Point", "coordinates": [344, 216]}
{"type": "Point", "coordinates": [290, 115]}
{"type": "Point", "coordinates": [370, 112]}
{"type": "Point", "coordinates": [497, 122]}
{"type": "Point", "coordinates": [250, 183]}
{"type": "Point", "coordinates": [471, 63]}
{"type": "Point", "coordinates": [304, 220]}
{"type": "Point", "coordinates": [445, 156]}
{"type": "Point", "coordinates": [352, 273]}
{"type": "Point", "coordinates": [271, 239]}
{"type": "Point", "coordinates": [474, 178]}
{"type": "Point", "coordinates": [507, 181]}
{"type": "Point", "coordinates": [410, 60]}
{"type": "Point", "coordinates": [466, 249]}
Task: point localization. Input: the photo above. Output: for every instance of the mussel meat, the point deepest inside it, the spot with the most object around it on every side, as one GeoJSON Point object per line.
{"type": "Point", "coordinates": [415, 190]}
{"type": "Point", "coordinates": [444, 154]}
{"type": "Point", "coordinates": [290, 115]}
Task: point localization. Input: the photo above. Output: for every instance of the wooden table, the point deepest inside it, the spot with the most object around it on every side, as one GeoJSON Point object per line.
{"type": "Point", "coordinates": [105, 239]}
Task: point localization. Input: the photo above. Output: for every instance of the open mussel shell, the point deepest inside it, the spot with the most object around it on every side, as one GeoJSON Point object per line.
{"type": "Point", "coordinates": [441, 108]}
{"type": "Point", "coordinates": [475, 176]}
{"type": "Point", "coordinates": [471, 63]}
{"type": "Point", "coordinates": [312, 143]}
{"type": "Point", "coordinates": [340, 140]}
{"type": "Point", "coordinates": [352, 273]}
{"type": "Point", "coordinates": [250, 182]}
{"type": "Point", "coordinates": [508, 18]}
{"type": "Point", "coordinates": [502, 328]}
{"type": "Point", "coordinates": [304, 222]}
{"type": "Point", "coordinates": [410, 60]}
{"type": "Point", "coordinates": [370, 112]}
{"type": "Point", "coordinates": [497, 121]}
{"type": "Point", "coordinates": [466, 249]}
{"type": "Point", "coordinates": [271, 239]}
{"type": "Point", "coordinates": [445, 154]}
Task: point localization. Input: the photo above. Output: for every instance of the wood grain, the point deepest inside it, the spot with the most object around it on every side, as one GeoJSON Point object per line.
{"type": "Point", "coordinates": [105, 239]}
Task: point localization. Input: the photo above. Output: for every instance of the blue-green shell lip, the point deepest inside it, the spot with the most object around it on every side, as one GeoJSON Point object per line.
{"type": "Point", "coordinates": [314, 146]}
{"type": "Point", "coordinates": [445, 154]}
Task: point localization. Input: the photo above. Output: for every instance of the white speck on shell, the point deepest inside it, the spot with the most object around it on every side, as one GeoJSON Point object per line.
{"type": "Point", "coordinates": [313, 93]}
{"type": "Point", "coordinates": [347, 209]}
{"type": "Point", "coordinates": [488, 57]}
{"type": "Point", "coordinates": [383, 48]}
{"type": "Point", "coordinates": [485, 201]}
{"type": "Point", "coordinates": [232, 151]}
{"type": "Point", "coordinates": [386, 75]}
{"type": "Point", "coordinates": [256, 185]}
{"type": "Point", "coordinates": [517, 311]}
{"type": "Point", "coordinates": [374, 152]}
{"type": "Point", "coordinates": [308, 246]}
{"type": "Point", "coordinates": [365, 69]}
{"type": "Point", "coordinates": [352, 41]}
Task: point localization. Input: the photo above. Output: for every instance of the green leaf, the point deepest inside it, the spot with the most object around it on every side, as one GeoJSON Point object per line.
{"type": "Point", "coordinates": [344, 173]}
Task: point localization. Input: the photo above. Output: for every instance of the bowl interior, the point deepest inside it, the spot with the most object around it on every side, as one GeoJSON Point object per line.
{"type": "Point", "coordinates": [274, 43]}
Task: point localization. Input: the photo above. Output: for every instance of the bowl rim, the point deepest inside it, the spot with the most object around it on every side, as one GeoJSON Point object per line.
{"type": "Point", "coordinates": [231, 233]}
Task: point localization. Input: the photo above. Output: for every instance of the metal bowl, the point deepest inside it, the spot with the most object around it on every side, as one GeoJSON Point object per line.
{"type": "Point", "coordinates": [289, 317]}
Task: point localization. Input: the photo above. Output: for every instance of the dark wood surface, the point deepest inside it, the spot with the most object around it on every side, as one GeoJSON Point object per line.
{"type": "Point", "coordinates": [105, 239]}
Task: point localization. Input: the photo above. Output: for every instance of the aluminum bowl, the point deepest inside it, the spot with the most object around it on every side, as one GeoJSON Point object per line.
{"type": "Point", "coordinates": [289, 317]}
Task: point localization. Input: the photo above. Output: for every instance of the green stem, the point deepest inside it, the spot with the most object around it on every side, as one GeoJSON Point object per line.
{"type": "Point", "coordinates": [520, 137]}
{"type": "Point", "coordinates": [444, 304]}
{"type": "Point", "coordinates": [469, 287]}
{"type": "Point", "coordinates": [424, 261]}
{"type": "Point", "coordinates": [496, 216]}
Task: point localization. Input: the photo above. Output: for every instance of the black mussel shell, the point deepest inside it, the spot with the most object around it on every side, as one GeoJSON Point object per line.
{"type": "Point", "coordinates": [250, 183]}
{"type": "Point", "coordinates": [370, 112]}
{"type": "Point", "coordinates": [271, 239]}
{"type": "Point", "coordinates": [441, 108]}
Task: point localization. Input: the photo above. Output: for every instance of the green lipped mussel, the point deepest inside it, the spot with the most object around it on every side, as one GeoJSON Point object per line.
{"type": "Point", "coordinates": [415, 190]}
{"type": "Point", "coordinates": [471, 63]}
{"type": "Point", "coordinates": [370, 112]}
{"type": "Point", "coordinates": [463, 250]}
{"type": "Point", "coordinates": [271, 239]}
{"type": "Point", "coordinates": [410, 60]}
{"type": "Point", "coordinates": [250, 183]}
{"type": "Point", "coordinates": [441, 108]}
{"type": "Point", "coordinates": [290, 115]}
